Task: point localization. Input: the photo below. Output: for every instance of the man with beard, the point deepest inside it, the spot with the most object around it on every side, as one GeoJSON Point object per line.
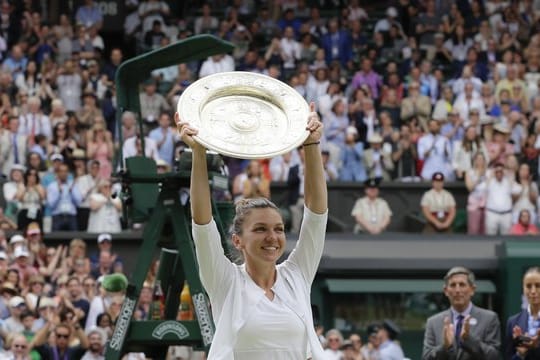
{"type": "Point", "coordinates": [96, 344]}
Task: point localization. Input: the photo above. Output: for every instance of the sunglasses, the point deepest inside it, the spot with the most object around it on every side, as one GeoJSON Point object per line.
{"type": "Point", "coordinates": [333, 340]}
{"type": "Point", "coordinates": [17, 346]}
{"type": "Point", "coordinates": [65, 336]}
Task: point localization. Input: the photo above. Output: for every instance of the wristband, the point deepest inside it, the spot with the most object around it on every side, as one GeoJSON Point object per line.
{"type": "Point", "coordinates": [313, 143]}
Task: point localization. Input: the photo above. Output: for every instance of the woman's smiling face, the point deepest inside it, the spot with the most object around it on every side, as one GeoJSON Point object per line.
{"type": "Point", "coordinates": [263, 236]}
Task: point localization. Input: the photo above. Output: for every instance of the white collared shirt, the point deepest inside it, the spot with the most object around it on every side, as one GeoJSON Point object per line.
{"type": "Point", "coordinates": [533, 324]}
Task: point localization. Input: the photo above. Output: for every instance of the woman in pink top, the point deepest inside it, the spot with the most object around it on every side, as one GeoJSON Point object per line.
{"type": "Point", "coordinates": [524, 226]}
{"type": "Point", "coordinates": [100, 147]}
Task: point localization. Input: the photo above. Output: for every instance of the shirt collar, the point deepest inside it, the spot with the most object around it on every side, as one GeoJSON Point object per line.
{"type": "Point", "coordinates": [465, 313]}
{"type": "Point", "coordinates": [529, 312]}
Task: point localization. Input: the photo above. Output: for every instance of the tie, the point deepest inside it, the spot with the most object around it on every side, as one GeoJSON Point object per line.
{"type": "Point", "coordinates": [15, 149]}
{"type": "Point", "coordinates": [459, 326]}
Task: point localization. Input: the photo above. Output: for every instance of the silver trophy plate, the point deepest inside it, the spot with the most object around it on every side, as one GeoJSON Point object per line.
{"type": "Point", "coordinates": [245, 115]}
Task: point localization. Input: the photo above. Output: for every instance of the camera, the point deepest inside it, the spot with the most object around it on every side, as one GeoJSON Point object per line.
{"type": "Point", "coordinates": [521, 340]}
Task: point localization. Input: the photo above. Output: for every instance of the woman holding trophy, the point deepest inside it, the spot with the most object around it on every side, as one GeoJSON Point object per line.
{"type": "Point", "coordinates": [261, 309]}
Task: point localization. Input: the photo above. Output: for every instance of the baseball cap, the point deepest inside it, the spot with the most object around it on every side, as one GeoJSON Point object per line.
{"type": "Point", "coordinates": [351, 130]}
{"type": "Point", "coordinates": [20, 251]}
{"type": "Point", "coordinates": [57, 156]}
{"type": "Point", "coordinates": [104, 237]}
{"type": "Point", "coordinates": [371, 183]}
{"type": "Point", "coordinates": [3, 255]}
{"type": "Point", "coordinates": [16, 301]}
{"type": "Point", "coordinates": [438, 176]}
{"type": "Point", "coordinates": [392, 329]}
{"type": "Point", "coordinates": [16, 239]}
{"type": "Point", "coordinates": [392, 12]}
{"type": "Point", "coordinates": [373, 329]}
{"type": "Point", "coordinates": [33, 229]}
{"type": "Point", "coordinates": [346, 344]}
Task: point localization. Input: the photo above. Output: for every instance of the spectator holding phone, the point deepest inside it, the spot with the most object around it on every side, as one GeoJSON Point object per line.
{"type": "Point", "coordinates": [523, 328]}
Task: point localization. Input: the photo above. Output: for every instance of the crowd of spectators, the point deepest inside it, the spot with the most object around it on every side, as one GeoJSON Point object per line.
{"type": "Point", "coordinates": [419, 91]}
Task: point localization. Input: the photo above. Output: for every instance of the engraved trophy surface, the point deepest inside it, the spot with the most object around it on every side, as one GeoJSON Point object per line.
{"type": "Point", "coordinates": [245, 115]}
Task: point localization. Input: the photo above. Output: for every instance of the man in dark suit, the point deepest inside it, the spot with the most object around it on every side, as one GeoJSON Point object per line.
{"type": "Point", "coordinates": [337, 44]}
{"type": "Point", "coordinates": [465, 331]}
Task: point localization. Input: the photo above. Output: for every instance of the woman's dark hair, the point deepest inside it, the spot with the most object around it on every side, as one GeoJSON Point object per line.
{"type": "Point", "coordinates": [55, 135]}
{"type": "Point", "coordinates": [244, 207]}
{"type": "Point", "coordinates": [101, 316]}
{"type": "Point", "coordinates": [468, 144]}
{"type": "Point", "coordinates": [30, 172]}
{"type": "Point", "coordinates": [518, 180]}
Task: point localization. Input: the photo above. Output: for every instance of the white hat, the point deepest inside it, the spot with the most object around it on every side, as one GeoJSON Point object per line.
{"type": "Point", "coordinates": [57, 156]}
{"type": "Point", "coordinates": [18, 167]}
{"type": "Point", "coordinates": [391, 11]}
{"type": "Point", "coordinates": [16, 239]}
{"type": "Point", "coordinates": [45, 302]}
{"type": "Point", "coordinates": [375, 139]}
{"type": "Point", "coordinates": [351, 130]}
{"type": "Point", "coordinates": [162, 162]}
{"type": "Point", "coordinates": [20, 251]}
{"type": "Point", "coordinates": [3, 255]}
{"type": "Point", "coordinates": [104, 237]}
{"type": "Point", "coordinates": [16, 301]}
{"type": "Point", "coordinates": [486, 120]}
{"type": "Point", "coordinates": [501, 128]}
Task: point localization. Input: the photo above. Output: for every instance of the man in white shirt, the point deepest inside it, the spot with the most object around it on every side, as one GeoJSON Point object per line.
{"type": "Point", "coordinates": [290, 48]}
{"type": "Point", "coordinates": [13, 146]}
{"type": "Point", "coordinates": [216, 64]}
{"type": "Point", "coordinates": [280, 165]}
{"type": "Point", "coordinates": [384, 25]}
{"type": "Point", "coordinates": [435, 150]}
{"type": "Point", "coordinates": [501, 191]}
{"type": "Point", "coordinates": [467, 76]}
{"type": "Point", "coordinates": [87, 185]}
{"type": "Point", "coordinates": [470, 99]}
{"type": "Point", "coordinates": [34, 122]}
{"type": "Point", "coordinates": [133, 147]}
{"type": "Point", "coordinates": [69, 83]}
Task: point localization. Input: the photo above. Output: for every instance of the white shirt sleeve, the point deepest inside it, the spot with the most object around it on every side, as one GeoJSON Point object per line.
{"type": "Point", "coordinates": [309, 248]}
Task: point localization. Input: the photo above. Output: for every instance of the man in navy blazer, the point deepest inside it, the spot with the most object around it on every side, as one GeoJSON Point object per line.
{"type": "Point", "coordinates": [337, 44]}
{"type": "Point", "coordinates": [465, 331]}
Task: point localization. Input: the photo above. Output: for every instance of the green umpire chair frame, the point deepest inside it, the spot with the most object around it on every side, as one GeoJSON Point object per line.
{"type": "Point", "coordinates": [155, 199]}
